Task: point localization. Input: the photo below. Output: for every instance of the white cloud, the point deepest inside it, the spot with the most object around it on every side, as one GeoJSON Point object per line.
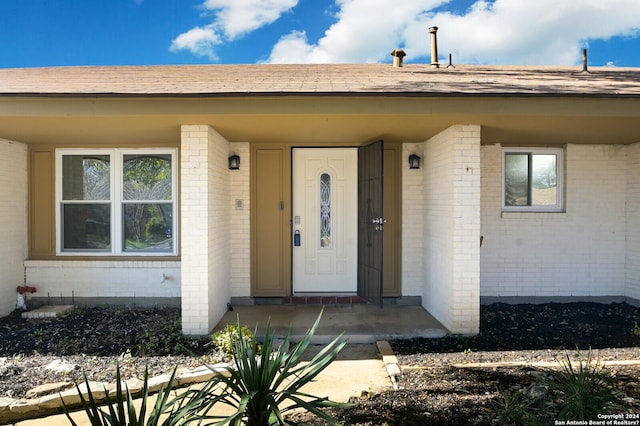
{"type": "Point", "coordinates": [533, 32]}
{"type": "Point", "coordinates": [366, 31]}
{"type": "Point", "coordinates": [199, 41]}
{"type": "Point", "coordinates": [293, 48]}
{"type": "Point", "coordinates": [498, 32]}
{"type": "Point", "coordinates": [231, 19]}
{"type": "Point", "coordinates": [236, 18]}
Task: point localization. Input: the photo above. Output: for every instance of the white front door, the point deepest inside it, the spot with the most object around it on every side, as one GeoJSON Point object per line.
{"type": "Point", "coordinates": [325, 220]}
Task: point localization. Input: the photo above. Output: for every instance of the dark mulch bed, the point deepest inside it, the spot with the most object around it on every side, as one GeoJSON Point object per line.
{"type": "Point", "coordinates": [100, 331]}
{"type": "Point", "coordinates": [433, 391]}
{"type": "Point", "coordinates": [544, 326]}
{"type": "Point", "coordinates": [94, 341]}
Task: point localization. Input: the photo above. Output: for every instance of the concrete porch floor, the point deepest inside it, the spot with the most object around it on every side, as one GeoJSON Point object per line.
{"type": "Point", "coordinates": [360, 323]}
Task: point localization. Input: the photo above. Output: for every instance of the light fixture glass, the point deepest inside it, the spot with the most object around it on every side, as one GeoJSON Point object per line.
{"type": "Point", "coordinates": [414, 161]}
{"type": "Point", "coordinates": [234, 162]}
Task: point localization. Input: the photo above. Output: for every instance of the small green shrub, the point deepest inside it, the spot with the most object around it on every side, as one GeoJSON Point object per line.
{"type": "Point", "coordinates": [583, 388]}
{"type": "Point", "coordinates": [513, 409]}
{"type": "Point", "coordinates": [636, 329]}
{"type": "Point", "coordinates": [226, 338]}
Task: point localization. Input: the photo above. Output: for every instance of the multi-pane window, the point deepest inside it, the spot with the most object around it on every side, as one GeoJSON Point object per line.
{"type": "Point", "coordinates": [116, 202]}
{"type": "Point", "coordinates": [532, 180]}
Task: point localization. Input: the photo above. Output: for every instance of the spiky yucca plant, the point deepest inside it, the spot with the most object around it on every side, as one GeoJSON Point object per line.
{"type": "Point", "coordinates": [583, 387]}
{"type": "Point", "coordinates": [261, 389]}
{"type": "Point", "coordinates": [122, 412]}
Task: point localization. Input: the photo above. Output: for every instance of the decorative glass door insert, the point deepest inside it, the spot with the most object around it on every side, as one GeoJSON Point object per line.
{"type": "Point", "coordinates": [325, 210]}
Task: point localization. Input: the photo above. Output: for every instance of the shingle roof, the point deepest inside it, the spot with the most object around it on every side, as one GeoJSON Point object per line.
{"type": "Point", "coordinates": [334, 79]}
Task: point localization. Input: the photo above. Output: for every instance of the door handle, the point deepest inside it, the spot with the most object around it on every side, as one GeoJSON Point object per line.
{"type": "Point", "coordinates": [379, 222]}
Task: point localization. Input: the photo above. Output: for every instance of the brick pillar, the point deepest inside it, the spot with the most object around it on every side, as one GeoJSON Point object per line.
{"type": "Point", "coordinates": [632, 252]}
{"type": "Point", "coordinates": [13, 221]}
{"type": "Point", "coordinates": [205, 228]}
{"type": "Point", "coordinates": [451, 227]}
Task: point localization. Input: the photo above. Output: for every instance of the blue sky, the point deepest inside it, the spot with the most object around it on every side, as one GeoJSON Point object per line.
{"type": "Point", "coordinates": [149, 32]}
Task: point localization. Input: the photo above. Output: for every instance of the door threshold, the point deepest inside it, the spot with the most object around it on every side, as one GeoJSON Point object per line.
{"type": "Point", "coordinates": [301, 299]}
{"type": "Point", "coordinates": [325, 299]}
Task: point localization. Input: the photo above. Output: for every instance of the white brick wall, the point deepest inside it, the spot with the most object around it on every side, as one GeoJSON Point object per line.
{"type": "Point", "coordinates": [577, 253]}
{"type": "Point", "coordinates": [412, 217]}
{"type": "Point", "coordinates": [240, 217]}
{"type": "Point", "coordinates": [451, 223]}
{"type": "Point", "coordinates": [205, 220]}
{"type": "Point", "coordinates": [632, 279]}
{"type": "Point", "coordinates": [13, 221]}
{"type": "Point", "coordinates": [99, 278]}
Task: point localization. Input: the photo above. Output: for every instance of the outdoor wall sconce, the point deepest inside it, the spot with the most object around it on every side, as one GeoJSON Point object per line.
{"type": "Point", "coordinates": [414, 161]}
{"type": "Point", "coordinates": [234, 162]}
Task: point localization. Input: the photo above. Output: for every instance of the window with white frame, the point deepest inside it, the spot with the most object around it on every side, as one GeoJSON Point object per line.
{"type": "Point", "coordinates": [532, 179]}
{"type": "Point", "coordinates": [116, 201]}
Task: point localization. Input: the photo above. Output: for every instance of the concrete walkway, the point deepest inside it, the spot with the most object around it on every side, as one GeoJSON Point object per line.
{"type": "Point", "coordinates": [360, 323]}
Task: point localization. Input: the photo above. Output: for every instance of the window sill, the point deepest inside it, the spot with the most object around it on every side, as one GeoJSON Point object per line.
{"type": "Point", "coordinates": [100, 263]}
{"type": "Point", "coordinates": [532, 215]}
{"type": "Point", "coordinates": [103, 258]}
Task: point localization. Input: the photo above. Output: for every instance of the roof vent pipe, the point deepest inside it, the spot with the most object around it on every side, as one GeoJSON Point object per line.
{"type": "Point", "coordinates": [585, 66]}
{"type": "Point", "coordinates": [434, 47]}
{"type": "Point", "coordinates": [398, 54]}
{"type": "Point", "coordinates": [450, 62]}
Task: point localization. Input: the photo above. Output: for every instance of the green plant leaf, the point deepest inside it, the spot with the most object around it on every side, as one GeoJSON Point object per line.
{"type": "Point", "coordinates": [582, 387]}
{"type": "Point", "coordinates": [122, 410]}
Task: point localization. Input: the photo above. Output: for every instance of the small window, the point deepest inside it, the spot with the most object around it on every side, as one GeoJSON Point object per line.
{"type": "Point", "coordinates": [116, 202]}
{"type": "Point", "coordinates": [532, 180]}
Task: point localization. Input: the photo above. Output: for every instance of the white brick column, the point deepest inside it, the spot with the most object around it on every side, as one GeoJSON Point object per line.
{"type": "Point", "coordinates": [632, 262]}
{"type": "Point", "coordinates": [205, 228]}
{"type": "Point", "coordinates": [412, 222]}
{"type": "Point", "coordinates": [13, 221]}
{"type": "Point", "coordinates": [451, 226]}
{"type": "Point", "coordinates": [240, 216]}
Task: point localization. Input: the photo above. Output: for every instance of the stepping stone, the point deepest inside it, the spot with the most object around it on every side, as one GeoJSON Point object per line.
{"type": "Point", "coordinates": [48, 389]}
{"type": "Point", "coordinates": [24, 406]}
{"type": "Point", "coordinates": [71, 396]}
{"type": "Point", "coordinates": [134, 385]}
{"type": "Point", "coordinates": [47, 311]}
{"type": "Point", "coordinates": [5, 403]}
{"type": "Point", "coordinates": [60, 366]}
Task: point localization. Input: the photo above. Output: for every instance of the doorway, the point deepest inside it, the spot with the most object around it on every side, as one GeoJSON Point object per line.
{"type": "Point", "coordinates": [272, 222]}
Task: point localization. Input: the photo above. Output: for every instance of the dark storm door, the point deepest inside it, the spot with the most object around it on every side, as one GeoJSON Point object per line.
{"type": "Point", "coordinates": [370, 222]}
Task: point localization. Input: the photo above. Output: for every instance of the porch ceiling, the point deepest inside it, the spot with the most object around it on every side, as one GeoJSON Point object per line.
{"type": "Point", "coordinates": [319, 120]}
{"type": "Point", "coordinates": [318, 129]}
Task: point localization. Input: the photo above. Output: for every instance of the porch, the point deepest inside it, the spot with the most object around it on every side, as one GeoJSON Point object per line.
{"type": "Point", "coordinates": [360, 323]}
